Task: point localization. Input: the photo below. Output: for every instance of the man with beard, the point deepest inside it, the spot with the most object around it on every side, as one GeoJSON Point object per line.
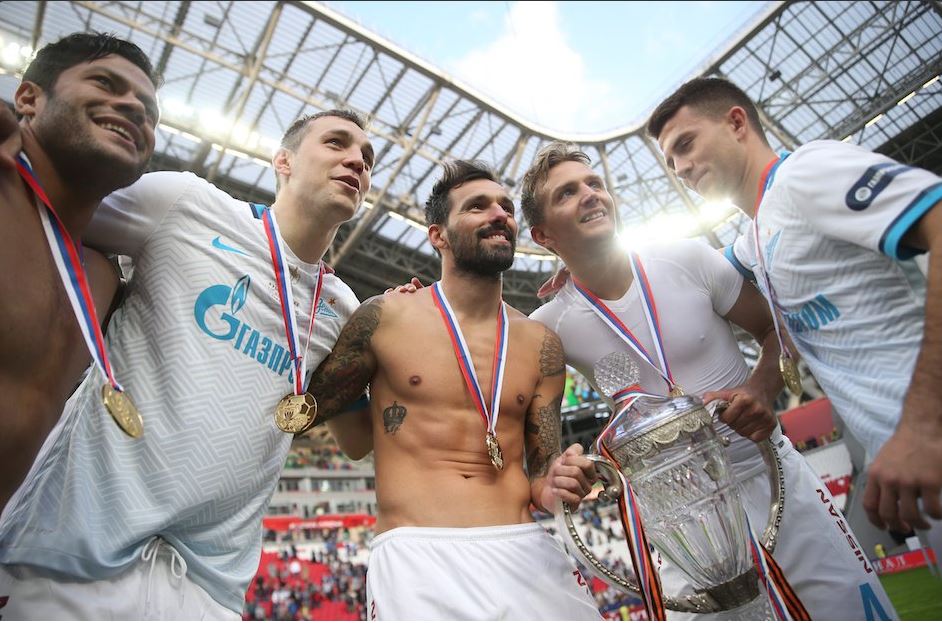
{"type": "Point", "coordinates": [87, 111]}
{"type": "Point", "coordinates": [687, 342]}
{"type": "Point", "coordinates": [454, 410]}
{"type": "Point", "coordinates": [168, 524]}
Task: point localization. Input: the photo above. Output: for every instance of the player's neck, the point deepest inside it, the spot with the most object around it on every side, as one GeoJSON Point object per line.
{"type": "Point", "coordinates": [306, 231]}
{"type": "Point", "coordinates": [603, 269]}
{"type": "Point", "coordinates": [74, 203]}
{"type": "Point", "coordinates": [759, 157]}
{"type": "Point", "coordinates": [472, 296]}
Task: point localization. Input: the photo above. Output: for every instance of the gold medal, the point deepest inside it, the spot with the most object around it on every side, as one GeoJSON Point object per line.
{"type": "Point", "coordinates": [295, 413]}
{"type": "Point", "coordinates": [493, 450]}
{"type": "Point", "coordinates": [676, 391]}
{"type": "Point", "coordinates": [790, 374]}
{"type": "Point", "coordinates": [122, 410]}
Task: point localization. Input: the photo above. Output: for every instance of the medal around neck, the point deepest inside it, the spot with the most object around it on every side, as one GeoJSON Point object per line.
{"type": "Point", "coordinates": [465, 365]}
{"type": "Point", "coordinates": [790, 374]}
{"type": "Point", "coordinates": [123, 411]}
{"type": "Point", "coordinates": [68, 262]}
{"type": "Point", "coordinates": [295, 413]}
{"type": "Point", "coordinates": [493, 451]}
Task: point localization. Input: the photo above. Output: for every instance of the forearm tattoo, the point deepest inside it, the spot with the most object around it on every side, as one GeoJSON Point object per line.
{"type": "Point", "coordinates": [393, 415]}
{"type": "Point", "coordinates": [552, 358]}
{"type": "Point", "coordinates": [543, 437]}
{"type": "Point", "coordinates": [341, 378]}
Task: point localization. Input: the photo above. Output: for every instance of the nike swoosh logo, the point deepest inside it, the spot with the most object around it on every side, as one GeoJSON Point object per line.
{"type": "Point", "coordinates": [219, 244]}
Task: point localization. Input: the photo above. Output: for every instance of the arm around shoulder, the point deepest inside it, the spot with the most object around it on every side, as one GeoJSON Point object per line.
{"type": "Point", "coordinates": [129, 216]}
{"type": "Point", "coordinates": [344, 375]}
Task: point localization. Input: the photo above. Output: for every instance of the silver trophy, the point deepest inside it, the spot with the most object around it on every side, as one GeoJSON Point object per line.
{"type": "Point", "coordinates": [674, 460]}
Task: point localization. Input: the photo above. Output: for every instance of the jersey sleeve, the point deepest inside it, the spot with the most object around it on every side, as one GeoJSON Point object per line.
{"type": "Point", "coordinates": [852, 194]}
{"type": "Point", "coordinates": [740, 254]}
{"type": "Point", "coordinates": [546, 315]}
{"type": "Point", "coordinates": [127, 218]}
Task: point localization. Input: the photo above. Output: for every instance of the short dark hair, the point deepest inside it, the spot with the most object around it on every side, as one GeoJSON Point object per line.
{"type": "Point", "coordinates": [457, 172]}
{"type": "Point", "coordinates": [709, 96]}
{"type": "Point", "coordinates": [553, 154]}
{"type": "Point", "coordinates": [297, 130]}
{"type": "Point", "coordinates": [83, 47]}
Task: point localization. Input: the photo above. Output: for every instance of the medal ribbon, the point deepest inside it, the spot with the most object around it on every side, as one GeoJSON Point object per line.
{"type": "Point", "coordinates": [650, 314]}
{"type": "Point", "coordinates": [615, 324]}
{"type": "Point", "coordinates": [465, 364]}
{"type": "Point", "coordinates": [765, 183]}
{"type": "Point", "coordinates": [641, 559]}
{"type": "Point", "coordinates": [69, 264]}
{"type": "Point", "coordinates": [287, 300]}
{"type": "Point", "coordinates": [785, 602]}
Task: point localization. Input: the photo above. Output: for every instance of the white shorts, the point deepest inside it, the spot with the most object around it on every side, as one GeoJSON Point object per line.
{"type": "Point", "coordinates": [816, 549]}
{"type": "Point", "coordinates": [515, 572]}
{"type": "Point", "coordinates": [155, 588]}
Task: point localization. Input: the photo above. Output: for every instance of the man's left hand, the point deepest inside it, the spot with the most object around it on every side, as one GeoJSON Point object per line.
{"type": "Point", "coordinates": [749, 412]}
{"type": "Point", "coordinates": [907, 468]}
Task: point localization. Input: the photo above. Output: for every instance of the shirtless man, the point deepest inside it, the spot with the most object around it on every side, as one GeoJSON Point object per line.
{"type": "Point", "coordinates": [456, 537]}
{"type": "Point", "coordinates": [87, 111]}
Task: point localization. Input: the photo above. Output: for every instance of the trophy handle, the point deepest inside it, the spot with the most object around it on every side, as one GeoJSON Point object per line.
{"type": "Point", "coordinates": [776, 483]}
{"type": "Point", "coordinates": [777, 498]}
{"type": "Point", "coordinates": [699, 602]}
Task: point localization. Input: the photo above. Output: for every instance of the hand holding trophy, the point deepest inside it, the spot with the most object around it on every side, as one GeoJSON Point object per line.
{"type": "Point", "coordinates": [663, 456]}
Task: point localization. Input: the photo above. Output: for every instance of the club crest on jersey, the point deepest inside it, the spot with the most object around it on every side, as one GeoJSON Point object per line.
{"type": "Point", "coordinates": [874, 180]}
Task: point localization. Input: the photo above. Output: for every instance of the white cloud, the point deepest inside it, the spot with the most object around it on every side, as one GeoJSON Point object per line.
{"type": "Point", "coordinates": [532, 68]}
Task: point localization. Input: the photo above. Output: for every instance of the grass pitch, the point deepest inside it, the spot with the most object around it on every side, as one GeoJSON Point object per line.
{"type": "Point", "coordinates": [917, 594]}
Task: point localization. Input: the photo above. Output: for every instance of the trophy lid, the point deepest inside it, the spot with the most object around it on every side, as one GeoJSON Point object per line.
{"type": "Point", "coordinates": [616, 371]}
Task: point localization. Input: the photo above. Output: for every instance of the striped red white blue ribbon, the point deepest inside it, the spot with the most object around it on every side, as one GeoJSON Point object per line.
{"type": "Point", "coordinates": [786, 605]}
{"type": "Point", "coordinates": [650, 314]}
{"type": "Point", "coordinates": [765, 183]}
{"type": "Point", "coordinates": [286, 299]}
{"type": "Point", "coordinates": [71, 271]}
{"type": "Point", "coordinates": [466, 365]}
{"type": "Point", "coordinates": [641, 560]}
{"type": "Point", "coordinates": [614, 323]}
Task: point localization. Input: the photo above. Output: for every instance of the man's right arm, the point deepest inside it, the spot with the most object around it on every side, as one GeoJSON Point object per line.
{"type": "Point", "coordinates": [344, 375]}
{"type": "Point", "coordinates": [127, 218]}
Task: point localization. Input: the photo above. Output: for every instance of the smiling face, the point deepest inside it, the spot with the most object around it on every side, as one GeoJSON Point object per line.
{"type": "Point", "coordinates": [577, 209]}
{"type": "Point", "coordinates": [481, 231]}
{"type": "Point", "coordinates": [331, 166]}
{"type": "Point", "coordinates": [96, 123]}
{"type": "Point", "coordinates": [704, 152]}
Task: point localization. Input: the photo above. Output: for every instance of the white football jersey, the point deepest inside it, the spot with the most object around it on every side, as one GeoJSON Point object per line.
{"type": "Point", "coordinates": [831, 229]}
{"type": "Point", "coordinates": [693, 289]}
{"type": "Point", "coordinates": [199, 345]}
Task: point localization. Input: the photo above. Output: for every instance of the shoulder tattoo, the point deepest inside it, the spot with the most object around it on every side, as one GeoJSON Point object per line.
{"type": "Point", "coordinates": [552, 358]}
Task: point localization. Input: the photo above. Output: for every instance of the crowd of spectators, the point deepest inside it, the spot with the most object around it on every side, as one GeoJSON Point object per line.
{"type": "Point", "coordinates": [322, 579]}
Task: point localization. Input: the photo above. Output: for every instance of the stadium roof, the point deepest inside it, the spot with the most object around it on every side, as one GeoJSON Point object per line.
{"type": "Point", "coordinates": [238, 73]}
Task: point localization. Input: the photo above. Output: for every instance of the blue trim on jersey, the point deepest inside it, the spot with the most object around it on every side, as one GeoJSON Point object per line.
{"type": "Point", "coordinates": [257, 209]}
{"type": "Point", "coordinates": [890, 242]}
{"type": "Point", "coordinates": [731, 256]}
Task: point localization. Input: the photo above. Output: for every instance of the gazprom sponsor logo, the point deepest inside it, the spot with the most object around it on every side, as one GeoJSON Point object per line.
{"type": "Point", "coordinates": [874, 180]}
{"type": "Point", "coordinates": [812, 316]}
{"type": "Point", "coordinates": [216, 312]}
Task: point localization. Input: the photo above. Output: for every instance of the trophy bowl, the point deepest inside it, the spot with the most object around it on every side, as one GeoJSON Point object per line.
{"type": "Point", "coordinates": [669, 452]}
